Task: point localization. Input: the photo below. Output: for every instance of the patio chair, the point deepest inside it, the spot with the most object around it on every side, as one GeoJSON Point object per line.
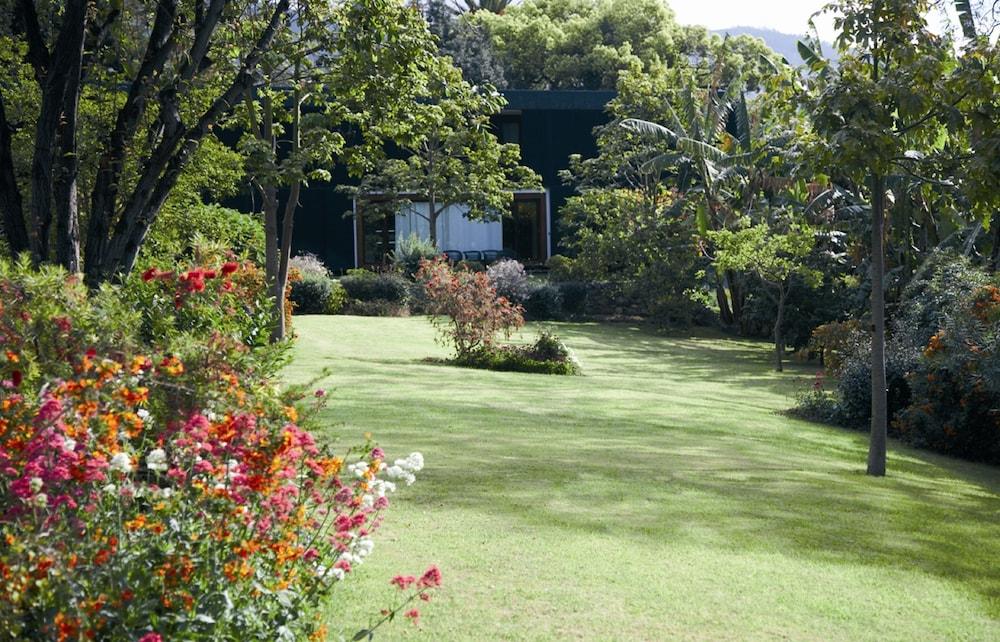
{"type": "Point", "coordinates": [454, 256]}
{"type": "Point", "coordinates": [490, 256]}
{"type": "Point", "coordinates": [474, 255]}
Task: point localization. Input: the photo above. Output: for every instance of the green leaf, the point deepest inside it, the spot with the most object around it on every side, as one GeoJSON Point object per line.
{"type": "Point", "coordinates": [361, 635]}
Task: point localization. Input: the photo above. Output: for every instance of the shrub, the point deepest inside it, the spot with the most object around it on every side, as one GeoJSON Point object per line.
{"type": "Point", "coordinates": [179, 229]}
{"type": "Point", "coordinates": [317, 295]}
{"type": "Point", "coordinates": [956, 388]}
{"type": "Point", "coordinates": [561, 268]}
{"type": "Point", "coordinates": [465, 307]}
{"type": "Point", "coordinates": [309, 265]}
{"type": "Point", "coordinates": [833, 340]}
{"type": "Point", "coordinates": [365, 285]}
{"type": "Point", "coordinates": [509, 279]}
{"type": "Point", "coordinates": [410, 251]}
{"type": "Point", "coordinates": [548, 355]}
{"type": "Point", "coordinates": [575, 297]}
{"type": "Point", "coordinates": [144, 496]}
{"type": "Point", "coordinates": [544, 302]}
{"type": "Point", "coordinates": [377, 308]}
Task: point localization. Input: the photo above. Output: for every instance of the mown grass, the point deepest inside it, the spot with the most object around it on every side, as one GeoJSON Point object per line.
{"type": "Point", "coordinates": [659, 496]}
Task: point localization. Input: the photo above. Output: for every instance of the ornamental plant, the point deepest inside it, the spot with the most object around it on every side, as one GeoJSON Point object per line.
{"type": "Point", "coordinates": [148, 497]}
{"type": "Point", "coordinates": [466, 309]}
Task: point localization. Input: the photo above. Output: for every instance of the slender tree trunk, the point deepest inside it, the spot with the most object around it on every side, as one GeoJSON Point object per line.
{"type": "Point", "coordinates": [432, 216]}
{"type": "Point", "coordinates": [725, 313]}
{"type": "Point", "coordinates": [11, 206]}
{"type": "Point", "coordinates": [287, 225]}
{"type": "Point", "coordinates": [735, 297]}
{"type": "Point", "coordinates": [995, 253]}
{"type": "Point", "coordinates": [67, 170]}
{"type": "Point", "coordinates": [779, 334]}
{"type": "Point", "coordinates": [879, 426]}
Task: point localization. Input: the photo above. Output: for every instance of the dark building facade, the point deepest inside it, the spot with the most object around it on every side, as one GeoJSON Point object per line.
{"type": "Point", "coordinates": [549, 126]}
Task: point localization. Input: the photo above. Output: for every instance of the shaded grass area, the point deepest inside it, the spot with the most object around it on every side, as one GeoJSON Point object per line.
{"type": "Point", "coordinates": [658, 496]}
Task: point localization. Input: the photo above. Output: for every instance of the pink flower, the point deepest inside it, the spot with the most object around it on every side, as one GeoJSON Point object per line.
{"type": "Point", "coordinates": [151, 637]}
{"type": "Point", "coordinates": [403, 582]}
{"type": "Point", "coordinates": [414, 615]}
{"type": "Point", "coordinates": [50, 409]}
{"type": "Point", "coordinates": [430, 578]}
{"type": "Point", "coordinates": [378, 453]}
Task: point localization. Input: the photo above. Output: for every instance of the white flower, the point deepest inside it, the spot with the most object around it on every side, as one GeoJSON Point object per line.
{"type": "Point", "coordinates": [36, 484]}
{"type": "Point", "coordinates": [143, 414]}
{"type": "Point", "coordinates": [109, 489]}
{"type": "Point", "coordinates": [157, 460]}
{"type": "Point", "coordinates": [363, 548]}
{"type": "Point", "coordinates": [68, 444]}
{"type": "Point", "coordinates": [121, 463]}
{"type": "Point", "coordinates": [358, 469]}
{"type": "Point", "coordinates": [41, 500]}
{"type": "Point", "coordinates": [338, 574]}
{"type": "Point", "coordinates": [165, 493]}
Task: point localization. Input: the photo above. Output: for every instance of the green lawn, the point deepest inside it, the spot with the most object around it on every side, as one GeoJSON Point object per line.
{"type": "Point", "coordinates": [660, 496]}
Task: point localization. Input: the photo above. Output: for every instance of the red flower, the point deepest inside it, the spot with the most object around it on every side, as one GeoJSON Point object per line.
{"type": "Point", "coordinates": [431, 577]}
{"type": "Point", "coordinates": [16, 378]}
{"type": "Point", "coordinates": [403, 581]}
{"type": "Point", "coordinates": [414, 615]}
{"type": "Point", "coordinates": [149, 274]}
{"type": "Point", "coordinates": [229, 267]}
{"type": "Point", "coordinates": [210, 274]}
{"type": "Point", "coordinates": [151, 637]}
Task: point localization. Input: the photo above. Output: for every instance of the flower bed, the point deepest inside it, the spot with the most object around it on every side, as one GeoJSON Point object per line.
{"type": "Point", "coordinates": [153, 496]}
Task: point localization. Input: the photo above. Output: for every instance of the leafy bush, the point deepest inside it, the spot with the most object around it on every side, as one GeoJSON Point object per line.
{"type": "Point", "coordinates": [146, 496]}
{"type": "Point", "coordinates": [465, 307]}
{"type": "Point", "coordinates": [376, 308]}
{"type": "Point", "coordinates": [192, 305]}
{"type": "Point", "coordinates": [575, 297]}
{"type": "Point", "coordinates": [178, 230]}
{"type": "Point", "coordinates": [410, 251]}
{"type": "Point", "coordinates": [544, 302]}
{"type": "Point", "coordinates": [365, 285]}
{"type": "Point", "coordinates": [548, 355]}
{"type": "Point", "coordinates": [561, 268]}
{"type": "Point", "coordinates": [315, 294]}
{"type": "Point", "coordinates": [509, 279]}
{"type": "Point", "coordinates": [956, 389]}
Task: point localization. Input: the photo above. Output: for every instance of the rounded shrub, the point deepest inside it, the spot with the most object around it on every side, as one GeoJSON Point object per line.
{"type": "Point", "coordinates": [544, 302]}
{"type": "Point", "coordinates": [509, 279]}
{"type": "Point", "coordinates": [317, 295]}
{"type": "Point", "coordinates": [365, 285]}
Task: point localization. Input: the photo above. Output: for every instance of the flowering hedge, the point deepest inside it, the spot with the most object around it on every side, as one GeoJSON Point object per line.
{"type": "Point", "coordinates": [147, 497]}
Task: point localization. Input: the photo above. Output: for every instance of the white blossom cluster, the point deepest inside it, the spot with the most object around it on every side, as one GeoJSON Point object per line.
{"type": "Point", "coordinates": [404, 469]}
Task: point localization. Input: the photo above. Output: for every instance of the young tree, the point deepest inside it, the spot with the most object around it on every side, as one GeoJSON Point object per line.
{"type": "Point", "coordinates": [776, 258]}
{"type": "Point", "coordinates": [899, 103]}
{"type": "Point", "coordinates": [453, 156]}
{"type": "Point", "coordinates": [360, 67]}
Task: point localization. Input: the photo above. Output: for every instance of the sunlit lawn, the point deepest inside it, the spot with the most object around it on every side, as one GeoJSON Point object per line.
{"type": "Point", "coordinates": [659, 496]}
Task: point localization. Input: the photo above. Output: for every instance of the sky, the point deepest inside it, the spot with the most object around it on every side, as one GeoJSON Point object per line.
{"type": "Point", "coordinates": [788, 16]}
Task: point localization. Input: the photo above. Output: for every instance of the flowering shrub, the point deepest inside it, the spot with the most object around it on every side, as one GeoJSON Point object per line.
{"type": "Point", "coordinates": [956, 388]}
{"type": "Point", "coordinates": [509, 279]}
{"type": "Point", "coordinates": [465, 307]}
{"type": "Point", "coordinates": [147, 497]}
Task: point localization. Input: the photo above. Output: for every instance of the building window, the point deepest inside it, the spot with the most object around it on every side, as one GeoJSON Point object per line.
{"type": "Point", "coordinates": [378, 236]}
{"type": "Point", "coordinates": [510, 130]}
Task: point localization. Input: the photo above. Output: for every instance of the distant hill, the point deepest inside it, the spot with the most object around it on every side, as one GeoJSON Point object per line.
{"type": "Point", "coordinates": [785, 44]}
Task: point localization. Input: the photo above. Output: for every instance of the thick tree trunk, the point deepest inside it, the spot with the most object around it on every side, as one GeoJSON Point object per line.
{"type": "Point", "coordinates": [779, 335]}
{"type": "Point", "coordinates": [879, 425]}
{"type": "Point", "coordinates": [11, 206]}
{"type": "Point", "coordinates": [56, 73]}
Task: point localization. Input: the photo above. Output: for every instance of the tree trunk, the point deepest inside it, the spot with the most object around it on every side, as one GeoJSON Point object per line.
{"type": "Point", "coordinates": [11, 206]}
{"type": "Point", "coordinates": [779, 336]}
{"type": "Point", "coordinates": [56, 76]}
{"type": "Point", "coordinates": [736, 297]}
{"type": "Point", "coordinates": [995, 253]}
{"type": "Point", "coordinates": [287, 224]}
{"type": "Point", "coordinates": [432, 217]}
{"type": "Point", "coordinates": [67, 169]}
{"type": "Point", "coordinates": [725, 313]}
{"type": "Point", "coordinates": [879, 425]}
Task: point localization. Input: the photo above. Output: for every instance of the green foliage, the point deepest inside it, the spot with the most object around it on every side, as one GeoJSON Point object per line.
{"type": "Point", "coordinates": [586, 44]}
{"type": "Point", "coordinates": [774, 257]}
{"type": "Point", "coordinates": [368, 286]}
{"type": "Point", "coordinates": [180, 230]}
{"type": "Point", "coordinates": [642, 247]}
{"type": "Point", "coordinates": [544, 302]}
{"type": "Point", "coordinates": [452, 156]}
{"type": "Point", "coordinates": [410, 251]}
{"type": "Point", "coordinates": [317, 295]}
